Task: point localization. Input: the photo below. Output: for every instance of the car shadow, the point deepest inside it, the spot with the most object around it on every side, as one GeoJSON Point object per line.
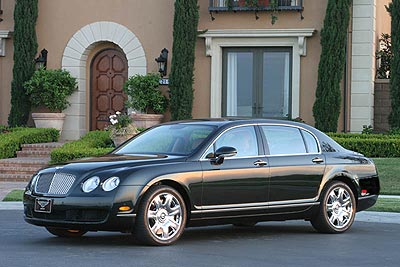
{"type": "Point", "coordinates": [268, 230]}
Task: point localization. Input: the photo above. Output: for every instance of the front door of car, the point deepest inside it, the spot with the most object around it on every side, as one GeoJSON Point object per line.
{"type": "Point", "coordinates": [295, 162]}
{"type": "Point", "coordinates": [241, 180]}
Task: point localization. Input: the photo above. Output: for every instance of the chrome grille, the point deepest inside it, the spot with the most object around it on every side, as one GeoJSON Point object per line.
{"type": "Point", "coordinates": [54, 183]}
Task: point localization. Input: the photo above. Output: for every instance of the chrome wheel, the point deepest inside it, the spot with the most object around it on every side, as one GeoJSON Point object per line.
{"type": "Point", "coordinates": [339, 207]}
{"type": "Point", "coordinates": [161, 217]}
{"type": "Point", "coordinates": [164, 216]}
{"type": "Point", "coordinates": [337, 210]}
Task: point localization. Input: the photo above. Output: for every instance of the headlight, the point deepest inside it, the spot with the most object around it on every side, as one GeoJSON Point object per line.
{"type": "Point", "coordinates": [33, 182]}
{"type": "Point", "coordinates": [110, 184]}
{"type": "Point", "coordinates": [90, 184]}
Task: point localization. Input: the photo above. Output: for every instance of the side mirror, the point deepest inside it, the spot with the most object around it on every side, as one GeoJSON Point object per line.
{"type": "Point", "coordinates": [222, 152]}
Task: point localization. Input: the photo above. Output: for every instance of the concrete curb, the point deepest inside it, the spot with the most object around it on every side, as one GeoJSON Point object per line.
{"type": "Point", "coordinates": [364, 216]}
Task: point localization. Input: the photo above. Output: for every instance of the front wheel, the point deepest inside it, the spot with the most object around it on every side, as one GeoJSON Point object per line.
{"type": "Point", "coordinates": [161, 216]}
{"type": "Point", "coordinates": [337, 209]}
{"type": "Point", "coordinates": [65, 232]}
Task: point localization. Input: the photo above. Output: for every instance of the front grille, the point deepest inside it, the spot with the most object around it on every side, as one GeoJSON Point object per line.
{"type": "Point", "coordinates": [57, 184]}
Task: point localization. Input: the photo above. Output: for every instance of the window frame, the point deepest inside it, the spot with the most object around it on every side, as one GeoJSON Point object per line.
{"type": "Point", "coordinates": [258, 68]}
{"type": "Point", "coordinates": [259, 140]}
{"type": "Point", "coordinates": [300, 129]}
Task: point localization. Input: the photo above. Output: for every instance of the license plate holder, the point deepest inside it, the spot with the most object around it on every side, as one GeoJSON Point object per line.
{"type": "Point", "coordinates": [43, 205]}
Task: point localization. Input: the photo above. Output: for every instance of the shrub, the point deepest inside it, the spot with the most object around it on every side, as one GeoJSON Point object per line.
{"type": "Point", "coordinates": [50, 89]}
{"type": "Point", "coordinates": [95, 143]}
{"type": "Point", "coordinates": [144, 93]}
{"type": "Point", "coordinates": [25, 47]}
{"type": "Point", "coordinates": [370, 145]}
{"type": "Point", "coordinates": [11, 142]}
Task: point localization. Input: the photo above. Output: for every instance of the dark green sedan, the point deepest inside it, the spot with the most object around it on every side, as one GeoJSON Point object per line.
{"type": "Point", "coordinates": [203, 172]}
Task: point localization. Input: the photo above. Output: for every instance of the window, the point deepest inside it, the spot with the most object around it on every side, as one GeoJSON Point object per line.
{"type": "Point", "coordinates": [311, 143]}
{"type": "Point", "coordinates": [256, 82]}
{"type": "Point", "coordinates": [284, 140]}
{"type": "Point", "coordinates": [243, 139]}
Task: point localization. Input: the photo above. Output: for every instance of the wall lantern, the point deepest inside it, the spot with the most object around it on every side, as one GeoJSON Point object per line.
{"type": "Point", "coordinates": [41, 60]}
{"type": "Point", "coordinates": [162, 62]}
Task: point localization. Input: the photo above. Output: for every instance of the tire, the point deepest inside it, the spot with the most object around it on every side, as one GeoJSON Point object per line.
{"type": "Point", "coordinates": [161, 217]}
{"type": "Point", "coordinates": [337, 209]}
{"type": "Point", "coordinates": [60, 232]}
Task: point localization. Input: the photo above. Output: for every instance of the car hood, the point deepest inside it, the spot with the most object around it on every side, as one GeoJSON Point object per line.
{"type": "Point", "coordinates": [112, 162]}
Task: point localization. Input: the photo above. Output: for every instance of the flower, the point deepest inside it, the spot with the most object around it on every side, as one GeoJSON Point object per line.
{"type": "Point", "coordinates": [121, 125]}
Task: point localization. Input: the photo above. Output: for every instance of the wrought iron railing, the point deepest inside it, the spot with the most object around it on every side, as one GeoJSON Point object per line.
{"type": "Point", "coordinates": [252, 5]}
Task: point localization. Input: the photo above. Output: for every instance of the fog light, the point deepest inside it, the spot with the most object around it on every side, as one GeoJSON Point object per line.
{"type": "Point", "coordinates": [364, 192]}
{"type": "Point", "coordinates": [124, 208]}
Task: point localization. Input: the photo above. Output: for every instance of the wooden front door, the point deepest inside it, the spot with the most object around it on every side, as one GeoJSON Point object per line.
{"type": "Point", "coordinates": [109, 71]}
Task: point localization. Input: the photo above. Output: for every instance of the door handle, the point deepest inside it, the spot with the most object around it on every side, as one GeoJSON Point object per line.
{"type": "Point", "coordinates": [317, 160]}
{"type": "Point", "coordinates": [260, 163]}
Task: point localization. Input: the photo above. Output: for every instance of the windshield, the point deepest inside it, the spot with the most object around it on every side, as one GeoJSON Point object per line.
{"type": "Point", "coordinates": [177, 139]}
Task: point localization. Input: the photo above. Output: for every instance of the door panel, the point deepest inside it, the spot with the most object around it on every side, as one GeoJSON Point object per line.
{"type": "Point", "coordinates": [109, 72]}
{"type": "Point", "coordinates": [294, 177]}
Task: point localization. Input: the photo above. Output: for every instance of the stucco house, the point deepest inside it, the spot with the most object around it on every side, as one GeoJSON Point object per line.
{"type": "Point", "coordinates": [245, 65]}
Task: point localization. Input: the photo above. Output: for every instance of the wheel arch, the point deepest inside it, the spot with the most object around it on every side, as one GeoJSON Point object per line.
{"type": "Point", "coordinates": [182, 190]}
{"type": "Point", "coordinates": [350, 182]}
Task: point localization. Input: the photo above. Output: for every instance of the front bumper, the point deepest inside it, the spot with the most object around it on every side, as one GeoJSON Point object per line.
{"type": "Point", "coordinates": [90, 213]}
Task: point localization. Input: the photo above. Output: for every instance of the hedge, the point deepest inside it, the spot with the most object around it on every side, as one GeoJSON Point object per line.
{"type": "Point", "coordinates": [11, 141]}
{"type": "Point", "coordinates": [370, 145]}
{"type": "Point", "coordinates": [95, 143]}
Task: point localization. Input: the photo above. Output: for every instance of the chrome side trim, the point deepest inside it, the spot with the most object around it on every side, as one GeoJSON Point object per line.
{"type": "Point", "coordinates": [126, 215]}
{"type": "Point", "coordinates": [266, 206]}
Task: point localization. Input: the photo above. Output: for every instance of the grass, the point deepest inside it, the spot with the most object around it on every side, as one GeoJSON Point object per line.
{"type": "Point", "coordinates": [389, 175]}
{"type": "Point", "coordinates": [15, 195]}
{"type": "Point", "coordinates": [386, 205]}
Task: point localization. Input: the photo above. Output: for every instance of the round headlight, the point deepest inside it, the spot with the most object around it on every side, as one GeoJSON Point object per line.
{"type": "Point", "coordinates": [90, 184]}
{"type": "Point", "coordinates": [110, 184]}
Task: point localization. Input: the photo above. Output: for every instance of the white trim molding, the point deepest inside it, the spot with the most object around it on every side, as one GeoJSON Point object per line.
{"type": "Point", "coordinates": [75, 58]}
{"type": "Point", "coordinates": [363, 64]}
{"type": "Point", "coordinates": [216, 40]}
{"type": "Point", "coordinates": [4, 35]}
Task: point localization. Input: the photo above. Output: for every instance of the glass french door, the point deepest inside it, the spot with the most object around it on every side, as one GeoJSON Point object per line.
{"type": "Point", "coordinates": [257, 82]}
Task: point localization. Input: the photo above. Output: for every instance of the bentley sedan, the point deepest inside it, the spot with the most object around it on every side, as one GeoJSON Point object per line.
{"type": "Point", "coordinates": [203, 172]}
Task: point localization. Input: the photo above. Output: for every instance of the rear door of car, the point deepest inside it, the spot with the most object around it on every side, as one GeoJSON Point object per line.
{"type": "Point", "coordinates": [296, 164]}
{"type": "Point", "coordinates": [240, 183]}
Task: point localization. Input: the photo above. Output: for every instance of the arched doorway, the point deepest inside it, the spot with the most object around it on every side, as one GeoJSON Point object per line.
{"type": "Point", "coordinates": [108, 72]}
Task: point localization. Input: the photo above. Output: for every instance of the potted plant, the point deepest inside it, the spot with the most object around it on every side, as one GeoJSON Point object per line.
{"type": "Point", "coordinates": [50, 89]}
{"type": "Point", "coordinates": [145, 97]}
{"type": "Point", "coordinates": [121, 128]}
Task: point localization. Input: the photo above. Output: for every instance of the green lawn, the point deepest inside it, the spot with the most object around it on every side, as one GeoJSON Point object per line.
{"type": "Point", "coordinates": [387, 205]}
{"type": "Point", "coordinates": [15, 195]}
{"type": "Point", "coordinates": [389, 175]}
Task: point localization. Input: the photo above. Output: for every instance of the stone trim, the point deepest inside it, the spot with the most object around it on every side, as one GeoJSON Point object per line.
{"type": "Point", "coordinates": [4, 35]}
{"type": "Point", "coordinates": [75, 61]}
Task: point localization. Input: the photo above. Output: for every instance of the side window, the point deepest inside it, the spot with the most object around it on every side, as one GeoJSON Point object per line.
{"type": "Point", "coordinates": [311, 143]}
{"type": "Point", "coordinates": [283, 140]}
{"type": "Point", "coordinates": [243, 139]}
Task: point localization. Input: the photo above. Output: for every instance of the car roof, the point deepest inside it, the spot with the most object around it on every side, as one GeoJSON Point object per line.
{"type": "Point", "coordinates": [237, 121]}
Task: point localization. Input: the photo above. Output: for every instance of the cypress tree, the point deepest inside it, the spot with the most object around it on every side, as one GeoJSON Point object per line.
{"type": "Point", "coordinates": [186, 19]}
{"type": "Point", "coordinates": [25, 47]}
{"type": "Point", "coordinates": [394, 117]}
{"type": "Point", "coordinates": [330, 70]}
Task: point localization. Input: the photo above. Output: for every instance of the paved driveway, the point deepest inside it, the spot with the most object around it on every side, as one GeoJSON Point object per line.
{"type": "Point", "coordinates": [268, 244]}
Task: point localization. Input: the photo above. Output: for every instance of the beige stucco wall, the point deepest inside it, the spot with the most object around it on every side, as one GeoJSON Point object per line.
{"type": "Point", "coordinates": [383, 19]}
{"type": "Point", "coordinates": [152, 23]}
{"type": "Point", "coordinates": [6, 62]}
{"type": "Point", "coordinates": [313, 18]}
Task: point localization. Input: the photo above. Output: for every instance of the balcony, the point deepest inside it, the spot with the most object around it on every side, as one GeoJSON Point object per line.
{"type": "Point", "coordinates": [254, 5]}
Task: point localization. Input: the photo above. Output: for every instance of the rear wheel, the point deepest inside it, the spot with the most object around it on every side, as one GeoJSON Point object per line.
{"type": "Point", "coordinates": [161, 216]}
{"type": "Point", "coordinates": [337, 209]}
{"type": "Point", "coordinates": [65, 232]}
